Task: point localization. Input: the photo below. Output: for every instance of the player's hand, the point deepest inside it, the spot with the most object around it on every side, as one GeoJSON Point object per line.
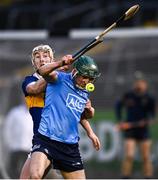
{"type": "Point", "coordinates": [95, 140]}
{"type": "Point", "coordinates": [123, 126]}
{"type": "Point", "coordinates": [67, 60]}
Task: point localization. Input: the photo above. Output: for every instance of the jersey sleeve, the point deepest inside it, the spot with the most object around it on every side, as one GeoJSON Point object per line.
{"type": "Point", "coordinates": [60, 77]}
{"type": "Point", "coordinates": [27, 80]}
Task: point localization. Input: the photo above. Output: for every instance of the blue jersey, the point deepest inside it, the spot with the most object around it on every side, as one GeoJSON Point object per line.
{"type": "Point", "coordinates": [35, 103]}
{"type": "Point", "coordinates": [64, 104]}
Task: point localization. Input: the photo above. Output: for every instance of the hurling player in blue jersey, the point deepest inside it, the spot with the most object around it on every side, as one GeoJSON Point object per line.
{"type": "Point", "coordinates": [34, 86]}
{"type": "Point", "coordinates": [65, 101]}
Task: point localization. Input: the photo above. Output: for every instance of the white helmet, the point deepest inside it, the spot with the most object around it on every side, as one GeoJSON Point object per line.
{"type": "Point", "coordinates": [41, 47]}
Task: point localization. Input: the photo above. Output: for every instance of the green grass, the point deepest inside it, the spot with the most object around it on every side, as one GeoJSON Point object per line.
{"type": "Point", "coordinates": [101, 115]}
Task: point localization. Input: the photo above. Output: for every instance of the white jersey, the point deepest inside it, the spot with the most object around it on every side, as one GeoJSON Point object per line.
{"type": "Point", "coordinates": [18, 129]}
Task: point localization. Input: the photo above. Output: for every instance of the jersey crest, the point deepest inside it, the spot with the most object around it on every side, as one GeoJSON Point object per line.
{"type": "Point", "coordinates": [75, 102]}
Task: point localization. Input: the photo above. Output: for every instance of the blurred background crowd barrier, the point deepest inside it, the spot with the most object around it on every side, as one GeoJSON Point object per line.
{"type": "Point", "coordinates": [121, 60]}
{"type": "Point", "coordinates": [127, 53]}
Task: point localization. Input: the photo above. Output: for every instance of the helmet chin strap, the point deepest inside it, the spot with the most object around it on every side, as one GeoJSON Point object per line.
{"type": "Point", "coordinates": [75, 75]}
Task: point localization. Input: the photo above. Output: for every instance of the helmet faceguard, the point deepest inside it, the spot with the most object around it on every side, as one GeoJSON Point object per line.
{"type": "Point", "coordinates": [86, 66]}
{"type": "Point", "coordinates": [44, 48]}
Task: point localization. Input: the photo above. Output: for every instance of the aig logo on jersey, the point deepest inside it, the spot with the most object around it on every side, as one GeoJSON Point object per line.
{"type": "Point", "coordinates": [74, 102]}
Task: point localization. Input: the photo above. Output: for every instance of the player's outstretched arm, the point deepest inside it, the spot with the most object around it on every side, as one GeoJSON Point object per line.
{"type": "Point", "coordinates": [46, 69]}
{"type": "Point", "coordinates": [90, 133]}
{"type": "Point", "coordinates": [87, 114]}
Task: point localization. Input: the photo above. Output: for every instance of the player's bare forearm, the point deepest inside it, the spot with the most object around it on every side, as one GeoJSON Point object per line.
{"type": "Point", "coordinates": [36, 87]}
{"type": "Point", "coordinates": [90, 133]}
{"type": "Point", "coordinates": [46, 69]}
{"type": "Point", "coordinates": [86, 125]}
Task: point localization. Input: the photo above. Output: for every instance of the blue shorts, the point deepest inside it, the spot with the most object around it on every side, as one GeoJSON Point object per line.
{"type": "Point", "coordinates": [64, 156]}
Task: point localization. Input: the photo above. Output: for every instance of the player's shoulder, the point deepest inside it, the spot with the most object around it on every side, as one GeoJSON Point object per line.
{"type": "Point", "coordinates": [64, 74]}
{"type": "Point", "coordinates": [31, 77]}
